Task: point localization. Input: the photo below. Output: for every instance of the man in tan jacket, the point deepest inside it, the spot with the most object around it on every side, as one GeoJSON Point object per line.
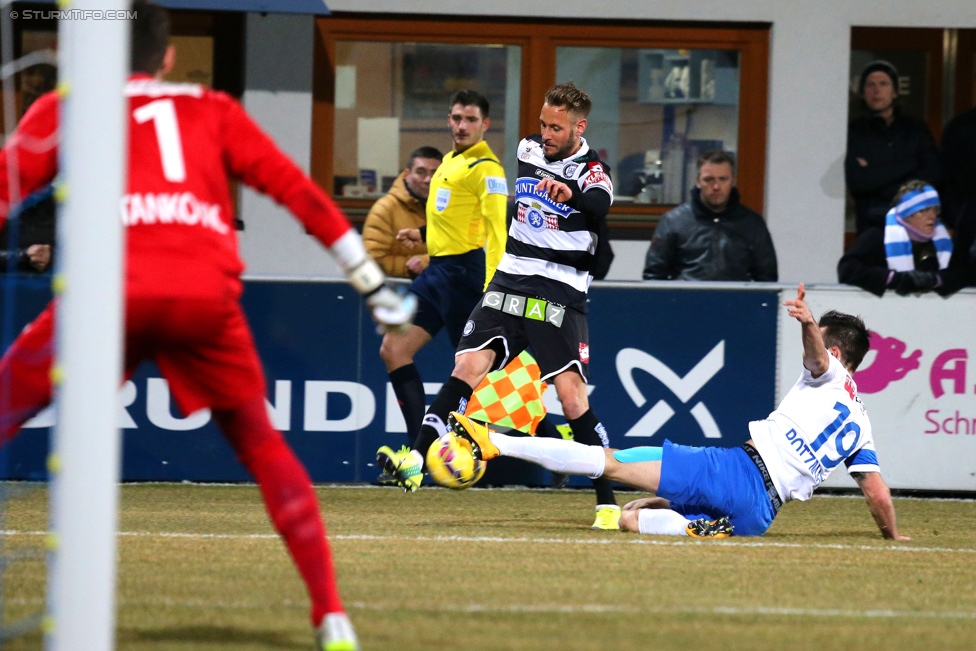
{"type": "Point", "coordinates": [404, 206]}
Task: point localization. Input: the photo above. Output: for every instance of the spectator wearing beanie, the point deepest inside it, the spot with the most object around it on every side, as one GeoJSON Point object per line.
{"type": "Point", "coordinates": [885, 148]}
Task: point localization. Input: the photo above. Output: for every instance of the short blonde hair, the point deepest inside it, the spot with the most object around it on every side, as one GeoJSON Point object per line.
{"type": "Point", "coordinates": [574, 99]}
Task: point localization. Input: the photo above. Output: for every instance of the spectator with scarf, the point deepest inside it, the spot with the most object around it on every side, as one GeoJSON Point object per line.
{"type": "Point", "coordinates": [910, 255]}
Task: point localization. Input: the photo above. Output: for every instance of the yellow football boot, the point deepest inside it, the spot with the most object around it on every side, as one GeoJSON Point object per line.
{"type": "Point", "coordinates": [475, 433]}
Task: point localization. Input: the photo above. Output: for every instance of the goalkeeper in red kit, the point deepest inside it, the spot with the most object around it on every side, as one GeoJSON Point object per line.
{"type": "Point", "coordinates": [182, 283]}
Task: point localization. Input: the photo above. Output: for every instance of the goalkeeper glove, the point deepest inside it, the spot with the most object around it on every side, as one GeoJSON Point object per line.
{"type": "Point", "coordinates": [393, 311]}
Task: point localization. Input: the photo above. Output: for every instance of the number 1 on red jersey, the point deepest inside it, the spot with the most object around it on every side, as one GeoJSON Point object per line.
{"type": "Point", "coordinates": [163, 114]}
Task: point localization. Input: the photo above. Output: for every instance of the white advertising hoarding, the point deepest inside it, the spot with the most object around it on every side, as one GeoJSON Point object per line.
{"type": "Point", "coordinates": [916, 382]}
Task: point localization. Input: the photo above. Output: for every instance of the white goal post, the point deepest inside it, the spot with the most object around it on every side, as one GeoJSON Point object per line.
{"type": "Point", "coordinates": [93, 66]}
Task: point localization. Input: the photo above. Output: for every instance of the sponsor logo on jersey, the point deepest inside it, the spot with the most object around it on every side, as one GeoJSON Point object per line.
{"type": "Point", "coordinates": [584, 352]}
{"type": "Point", "coordinates": [536, 220]}
{"type": "Point", "coordinates": [544, 174]}
{"type": "Point", "coordinates": [525, 191]}
{"type": "Point", "coordinates": [524, 213]}
{"type": "Point", "coordinates": [442, 199]}
{"type": "Point", "coordinates": [531, 308]}
{"type": "Point", "coordinates": [496, 185]}
{"type": "Point", "coordinates": [808, 456]}
{"type": "Point", "coordinates": [468, 328]}
{"type": "Point", "coordinates": [595, 176]}
{"type": "Point", "coordinates": [529, 147]}
{"type": "Point", "coordinates": [570, 170]}
{"type": "Point", "coordinates": [171, 208]}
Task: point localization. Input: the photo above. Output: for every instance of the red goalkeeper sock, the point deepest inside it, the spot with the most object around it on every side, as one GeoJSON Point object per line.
{"type": "Point", "coordinates": [289, 498]}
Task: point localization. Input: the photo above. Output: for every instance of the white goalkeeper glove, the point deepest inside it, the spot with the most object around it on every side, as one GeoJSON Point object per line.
{"type": "Point", "coordinates": [393, 311]}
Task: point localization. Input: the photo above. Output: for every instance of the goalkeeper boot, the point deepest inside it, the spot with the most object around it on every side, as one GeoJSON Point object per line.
{"type": "Point", "coordinates": [607, 517]}
{"type": "Point", "coordinates": [402, 466]}
{"type": "Point", "coordinates": [336, 634]}
{"type": "Point", "coordinates": [703, 528]}
{"type": "Point", "coordinates": [474, 433]}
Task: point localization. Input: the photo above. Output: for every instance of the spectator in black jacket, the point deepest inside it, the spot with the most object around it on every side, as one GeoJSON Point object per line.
{"type": "Point", "coordinates": [32, 250]}
{"type": "Point", "coordinates": [885, 149]}
{"type": "Point", "coordinates": [910, 255]}
{"type": "Point", "coordinates": [958, 156]}
{"type": "Point", "coordinates": [713, 236]}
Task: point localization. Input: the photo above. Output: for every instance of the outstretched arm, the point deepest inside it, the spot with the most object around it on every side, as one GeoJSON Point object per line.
{"type": "Point", "coordinates": [878, 497]}
{"type": "Point", "coordinates": [816, 359]}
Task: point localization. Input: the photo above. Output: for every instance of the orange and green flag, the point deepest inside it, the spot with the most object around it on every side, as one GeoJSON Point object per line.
{"type": "Point", "coordinates": [511, 397]}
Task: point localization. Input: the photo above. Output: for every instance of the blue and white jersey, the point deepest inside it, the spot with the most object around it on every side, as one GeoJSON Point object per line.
{"type": "Point", "coordinates": [551, 245]}
{"type": "Point", "coordinates": [820, 423]}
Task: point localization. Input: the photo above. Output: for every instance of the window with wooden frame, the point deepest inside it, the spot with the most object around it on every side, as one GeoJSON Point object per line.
{"type": "Point", "coordinates": [662, 94]}
{"type": "Point", "coordinates": [209, 45]}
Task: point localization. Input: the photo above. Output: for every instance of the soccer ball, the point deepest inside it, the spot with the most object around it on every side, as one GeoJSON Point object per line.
{"type": "Point", "coordinates": [451, 464]}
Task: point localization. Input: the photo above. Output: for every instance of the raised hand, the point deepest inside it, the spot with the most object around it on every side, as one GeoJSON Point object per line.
{"type": "Point", "coordinates": [797, 308]}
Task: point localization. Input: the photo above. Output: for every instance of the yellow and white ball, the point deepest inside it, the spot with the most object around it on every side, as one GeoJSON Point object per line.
{"type": "Point", "coordinates": [451, 464]}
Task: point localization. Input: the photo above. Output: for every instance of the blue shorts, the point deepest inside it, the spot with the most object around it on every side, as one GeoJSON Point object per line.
{"type": "Point", "coordinates": [447, 291]}
{"type": "Point", "coordinates": [716, 482]}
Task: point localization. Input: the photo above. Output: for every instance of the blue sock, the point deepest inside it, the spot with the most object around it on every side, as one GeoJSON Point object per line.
{"type": "Point", "coordinates": [634, 455]}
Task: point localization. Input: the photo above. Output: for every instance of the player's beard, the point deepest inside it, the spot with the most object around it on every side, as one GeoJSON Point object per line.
{"type": "Point", "coordinates": [563, 152]}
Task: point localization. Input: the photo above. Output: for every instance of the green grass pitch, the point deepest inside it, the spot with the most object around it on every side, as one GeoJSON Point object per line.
{"type": "Point", "coordinates": [201, 568]}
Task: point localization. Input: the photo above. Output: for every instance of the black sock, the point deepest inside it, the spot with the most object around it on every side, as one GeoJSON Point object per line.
{"type": "Point", "coordinates": [589, 431]}
{"type": "Point", "coordinates": [449, 398]}
{"type": "Point", "coordinates": [409, 390]}
{"type": "Point", "coordinates": [547, 429]}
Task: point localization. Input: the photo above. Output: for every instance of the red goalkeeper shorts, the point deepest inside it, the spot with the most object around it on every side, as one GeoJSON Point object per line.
{"type": "Point", "coordinates": [204, 348]}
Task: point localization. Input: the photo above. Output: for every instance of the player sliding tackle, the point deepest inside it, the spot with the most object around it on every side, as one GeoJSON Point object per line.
{"type": "Point", "coordinates": [708, 492]}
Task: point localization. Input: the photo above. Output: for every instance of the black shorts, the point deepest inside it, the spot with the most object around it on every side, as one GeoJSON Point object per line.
{"type": "Point", "coordinates": [508, 323]}
{"type": "Point", "coordinates": [447, 290]}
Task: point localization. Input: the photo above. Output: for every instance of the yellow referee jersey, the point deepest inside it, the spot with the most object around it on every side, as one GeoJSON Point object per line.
{"type": "Point", "coordinates": [466, 206]}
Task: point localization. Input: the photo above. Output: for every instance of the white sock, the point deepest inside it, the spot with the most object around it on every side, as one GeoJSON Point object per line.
{"type": "Point", "coordinates": [567, 457]}
{"type": "Point", "coordinates": [419, 458]}
{"type": "Point", "coordinates": [663, 522]}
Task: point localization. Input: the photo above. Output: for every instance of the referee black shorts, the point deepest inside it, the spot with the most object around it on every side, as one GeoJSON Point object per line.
{"type": "Point", "coordinates": [447, 290]}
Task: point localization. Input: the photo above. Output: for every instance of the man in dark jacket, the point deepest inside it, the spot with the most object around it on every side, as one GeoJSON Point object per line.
{"type": "Point", "coordinates": [713, 236]}
{"type": "Point", "coordinates": [31, 251]}
{"type": "Point", "coordinates": [885, 148]}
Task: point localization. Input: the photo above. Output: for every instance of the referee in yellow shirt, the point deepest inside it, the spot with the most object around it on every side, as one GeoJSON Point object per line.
{"type": "Point", "coordinates": [465, 236]}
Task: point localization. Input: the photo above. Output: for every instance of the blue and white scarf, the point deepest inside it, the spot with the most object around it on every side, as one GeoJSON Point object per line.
{"type": "Point", "coordinates": [898, 243]}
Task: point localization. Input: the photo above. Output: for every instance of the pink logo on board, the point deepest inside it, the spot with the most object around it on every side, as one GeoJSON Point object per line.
{"type": "Point", "coordinates": [890, 364]}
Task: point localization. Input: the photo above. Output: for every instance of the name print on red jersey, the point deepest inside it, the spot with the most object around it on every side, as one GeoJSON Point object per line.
{"type": "Point", "coordinates": [171, 208]}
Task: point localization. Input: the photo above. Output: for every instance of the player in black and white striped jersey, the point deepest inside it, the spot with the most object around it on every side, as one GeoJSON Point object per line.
{"type": "Point", "coordinates": [537, 297]}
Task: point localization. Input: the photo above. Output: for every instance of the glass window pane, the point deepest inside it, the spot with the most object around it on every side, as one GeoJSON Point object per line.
{"type": "Point", "coordinates": [392, 98]}
{"type": "Point", "coordinates": [654, 112]}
